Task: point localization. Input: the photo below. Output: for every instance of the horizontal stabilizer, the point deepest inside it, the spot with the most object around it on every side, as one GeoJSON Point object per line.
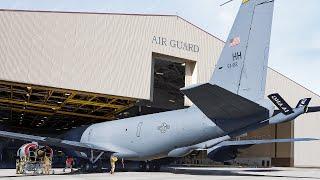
{"type": "Point", "coordinates": [280, 103]}
{"type": "Point", "coordinates": [228, 110]}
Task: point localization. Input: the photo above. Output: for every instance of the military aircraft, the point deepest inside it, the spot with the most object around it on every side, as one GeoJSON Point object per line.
{"type": "Point", "coordinates": [230, 104]}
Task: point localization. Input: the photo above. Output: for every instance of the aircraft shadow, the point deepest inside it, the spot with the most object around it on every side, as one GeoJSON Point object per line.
{"type": "Point", "coordinates": [208, 172]}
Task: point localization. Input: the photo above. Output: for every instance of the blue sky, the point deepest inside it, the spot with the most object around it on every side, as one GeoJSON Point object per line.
{"type": "Point", "coordinates": [295, 42]}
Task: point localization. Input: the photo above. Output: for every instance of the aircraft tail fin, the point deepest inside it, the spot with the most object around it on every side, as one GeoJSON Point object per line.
{"type": "Point", "coordinates": [242, 66]}
{"type": "Point", "coordinates": [234, 96]}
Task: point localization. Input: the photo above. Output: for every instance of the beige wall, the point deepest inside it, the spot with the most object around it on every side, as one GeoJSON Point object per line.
{"type": "Point", "coordinates": [102, 53]}
{"type": "Point", "coordinates": [307, 125]}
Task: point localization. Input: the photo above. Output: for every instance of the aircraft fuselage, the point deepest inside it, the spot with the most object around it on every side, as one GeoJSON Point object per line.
{"type": "Point", "coordinates": [153, 136]}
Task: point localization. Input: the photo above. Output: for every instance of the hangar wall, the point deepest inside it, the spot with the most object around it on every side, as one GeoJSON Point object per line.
{"type": "Point", "coordinates": [100, 53]}
{"type": "Point", "coordinates": [307, 125]}
{"type": "Point", "coordinates": [299, 154]}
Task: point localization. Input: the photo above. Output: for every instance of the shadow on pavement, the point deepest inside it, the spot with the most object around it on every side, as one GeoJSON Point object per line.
{"type": "Point", "coordinates": [223, 172]}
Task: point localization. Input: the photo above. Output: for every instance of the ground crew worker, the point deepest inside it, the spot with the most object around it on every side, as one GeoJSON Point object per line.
{"type": "Point", "coordinates": [46, 164]}
{"type": "Point", "coordinates": [69, 163]}
{"type": "Point", "coordinates": [22, 165]}
{"type": "Point", "coordinates": [18, 171]}
{"type": "Point", "coordinates": [113, 161]}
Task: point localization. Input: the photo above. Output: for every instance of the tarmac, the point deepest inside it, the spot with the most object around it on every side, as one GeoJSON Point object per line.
{"type": "Point", "coordinates": [180, 173]}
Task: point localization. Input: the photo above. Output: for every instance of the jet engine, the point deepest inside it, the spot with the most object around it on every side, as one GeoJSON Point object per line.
{"type": "Point", "coordinates": [225, 153]}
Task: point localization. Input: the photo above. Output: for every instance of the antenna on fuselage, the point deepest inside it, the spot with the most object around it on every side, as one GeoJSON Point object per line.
{"type": "Point", "coordinates": [226, 2]}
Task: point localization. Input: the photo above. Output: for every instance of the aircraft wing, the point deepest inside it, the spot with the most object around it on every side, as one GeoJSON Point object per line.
{"type": "Point", "coordinates": [55, 142]}
{"type": "Point", "coordinates": [228, 150]}
{"type": "Point", "coordinates": [266, 141]}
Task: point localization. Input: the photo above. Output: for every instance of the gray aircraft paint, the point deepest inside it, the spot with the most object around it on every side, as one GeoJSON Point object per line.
{"type": "Point", "coordinates": [242, 68]}
{"type": "Point", "coordinates": [183, 128]}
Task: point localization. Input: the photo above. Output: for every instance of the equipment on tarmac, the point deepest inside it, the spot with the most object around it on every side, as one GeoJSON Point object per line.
{"type": "Point", "coordinates": [34, 158]}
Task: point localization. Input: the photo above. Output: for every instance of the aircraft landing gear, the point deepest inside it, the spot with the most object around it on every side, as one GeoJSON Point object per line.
{"type": "Point", "coordinates": [93, 165]}
{"type": "Point", "coordinates": [149, 166]}
{"type": "Point", "coordinates": [88, 167]}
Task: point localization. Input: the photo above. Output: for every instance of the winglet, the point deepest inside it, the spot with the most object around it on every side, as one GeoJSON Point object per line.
{"type": "Point", "coordinates": [303, 102]}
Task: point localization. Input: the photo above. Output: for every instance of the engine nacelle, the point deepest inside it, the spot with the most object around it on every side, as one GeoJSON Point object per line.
{"type": "Point", "coordinates": [180, 152]}
{"type": "Point", "coordinates": [224, 153]}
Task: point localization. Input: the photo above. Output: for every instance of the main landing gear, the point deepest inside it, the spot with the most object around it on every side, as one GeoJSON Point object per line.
{"type": "Point", "coordinates": [149, 166]}
{"type": "Point", "coordinates": [93, 165]}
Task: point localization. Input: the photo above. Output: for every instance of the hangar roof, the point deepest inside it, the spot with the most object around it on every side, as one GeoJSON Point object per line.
{"type": "Point", "coordinates": [110, 13]}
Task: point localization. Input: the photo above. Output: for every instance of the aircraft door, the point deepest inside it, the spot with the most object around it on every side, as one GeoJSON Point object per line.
{"type": "Point", "coordinates": [90, 135]}
{"type": "Point", "coordinates": [139, 126]}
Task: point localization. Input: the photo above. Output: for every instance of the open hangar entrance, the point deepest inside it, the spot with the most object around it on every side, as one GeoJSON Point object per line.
{"type": "Point", "coordinates": [169, 75]}
{"type": "Point", "coordinates": [49, 111]}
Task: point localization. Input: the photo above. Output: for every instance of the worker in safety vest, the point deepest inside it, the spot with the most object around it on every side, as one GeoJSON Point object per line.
{"type": "Point", "coordinates": [113, 161]}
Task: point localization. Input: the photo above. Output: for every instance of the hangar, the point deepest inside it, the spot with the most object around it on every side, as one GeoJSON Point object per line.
{"type": "Point", "coordinates": [60, 70]}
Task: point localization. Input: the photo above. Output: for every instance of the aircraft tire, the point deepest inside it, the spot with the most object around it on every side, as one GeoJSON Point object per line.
{"type": "Point", "coordinates": [154, 167]}
{"type": "Point", "coordinates": [142, 166]}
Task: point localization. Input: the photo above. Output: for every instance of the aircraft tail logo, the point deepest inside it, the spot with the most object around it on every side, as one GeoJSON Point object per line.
{"type": "Point", "coordinates": [234, 42]}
